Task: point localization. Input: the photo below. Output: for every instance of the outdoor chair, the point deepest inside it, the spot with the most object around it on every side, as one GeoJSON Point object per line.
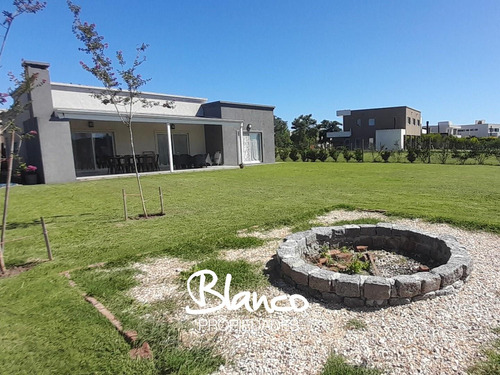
{"type": "Point", "coordinates": [217, 158]}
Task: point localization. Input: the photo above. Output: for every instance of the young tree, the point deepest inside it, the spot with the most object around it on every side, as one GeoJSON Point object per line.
{"type": "Point", "coordinates": [20, 7]}
{"type": "Point", "coordinates": [304, 132]}
{"type": "Point", "coordinates": [281, 133]}
{"type": "Point", "coordinates": [327, 126]}
{"type": "Point", "coordinates": [17, 106]}
{"type": "Point", "coordinates": [121, 85]}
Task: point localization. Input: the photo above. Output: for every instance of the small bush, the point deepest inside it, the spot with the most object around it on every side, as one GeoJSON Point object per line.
{"type": "Point", "coordinates": [334, 153]}
{"type": "Point", "coordinates": [358, 155]}
{"type": "Point", "coordinates": [322, 155]}
{"type": "Point", "coordinates": [385, 155]}
{"type": "Point", "coordinates": [294, 154]}
{"type": "Point", "coordinates": [312, 155]}
{"type": "Point", "coordinates": [283, 153]}
{"type": "Point", "coordinates": [347, 154]}
{"type": "Point", "coordinates": [411, 156]}
{"type": "Point", "coordinates": [353, 324]}
{"type": "Point", "coordinates": [304, 155]}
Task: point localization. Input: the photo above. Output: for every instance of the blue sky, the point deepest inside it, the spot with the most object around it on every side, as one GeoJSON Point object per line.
{"type": "Point", "coordinates": [441, 57]}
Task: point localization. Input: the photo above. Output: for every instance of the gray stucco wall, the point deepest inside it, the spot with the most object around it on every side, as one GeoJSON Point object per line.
{"type": "Point", "coordinates": [260, 117]}
{"type": "Point", "coordinates": [53, 144]}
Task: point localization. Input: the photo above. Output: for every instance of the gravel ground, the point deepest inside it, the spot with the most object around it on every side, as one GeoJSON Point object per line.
{"type": "Point", "coordinates": [440, 336]}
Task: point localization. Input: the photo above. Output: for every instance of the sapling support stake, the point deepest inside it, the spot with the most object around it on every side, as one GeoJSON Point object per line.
{"type": "Point", "coordinates": [124, 204]}
{"type": "Point", "coordinates": [46, 237]}
{"type": "Point", "coordinates": [161, 201]}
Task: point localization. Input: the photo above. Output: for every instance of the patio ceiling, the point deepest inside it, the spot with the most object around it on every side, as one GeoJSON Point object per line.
{"type": "Point", "coordinates": [72, 114]}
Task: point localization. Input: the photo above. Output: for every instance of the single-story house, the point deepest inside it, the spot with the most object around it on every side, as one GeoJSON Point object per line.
{"type": "Point", "coordinates": [77, 132]}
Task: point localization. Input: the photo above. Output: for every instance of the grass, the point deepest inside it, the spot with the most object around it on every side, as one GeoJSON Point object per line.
{"type": "Point", "coordinates": [48, 328]}
{"type": "Point", "coordinates": [354, 324]}
{"type": "Point", "coordinates": [490, 366]}
{"type": "Point", "coordinates": [336, 365]}
{"type": "Point", "coordinates": [245, 276]}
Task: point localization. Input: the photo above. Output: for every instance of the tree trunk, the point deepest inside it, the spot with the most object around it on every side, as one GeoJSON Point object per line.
{"type": "Point", "coordinates": [138, 178]}
{"type": "Point", "coordinates": [6, 201]}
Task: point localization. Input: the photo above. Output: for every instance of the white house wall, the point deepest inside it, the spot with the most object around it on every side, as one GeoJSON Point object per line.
{"type": "Point", "coordinates": [77, 97]}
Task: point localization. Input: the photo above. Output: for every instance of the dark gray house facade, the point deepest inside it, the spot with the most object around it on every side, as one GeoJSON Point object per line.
{"type": "Point", "coordinates": [380, 127]}
{"type": "Point", "coordinates": [77, 133]}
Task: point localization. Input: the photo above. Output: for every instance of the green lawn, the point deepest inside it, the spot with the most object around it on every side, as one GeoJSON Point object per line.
{"type": "Point", "coordinates": [46, 327]}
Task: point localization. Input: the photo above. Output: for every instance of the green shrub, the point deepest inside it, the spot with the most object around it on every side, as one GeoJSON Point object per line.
{"type": "Point", "coordinates": [358, 155]}
{"type": "Point", "coordinates": [304, 155]}
{"type": "Point", "coordinates": [346, 154]}
{"type": "Point", "coordinates": [322, 155]}
{"type": "Point", "coordinates": [385, 155]}
{"type": "Point", "coordinates": [312, 155]}
{"type": "Point", "coordinates": [294, 154]}
{"type": "Point", "coordinates": [336, 365]}
{"type": "Point", "coordinates": [283, 153]}
{"type": "Point", "coordinates": [334, 153]}
{"type": "Point", "coordinates": [412, 155]}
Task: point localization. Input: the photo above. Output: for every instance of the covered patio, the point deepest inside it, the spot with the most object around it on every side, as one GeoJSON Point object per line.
{"type": "Point", "coordinates": [101, 142]}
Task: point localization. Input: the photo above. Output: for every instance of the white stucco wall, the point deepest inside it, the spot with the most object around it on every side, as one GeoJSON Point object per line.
{"type": "Point", "coordinates": [66, 96]}
{"type": "Point", "coordinates": [388, 138]}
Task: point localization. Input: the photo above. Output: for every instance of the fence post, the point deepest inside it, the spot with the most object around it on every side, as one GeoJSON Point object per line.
{"type": "Point", "coordinates": [46, 236]}
{"type": "Point", "coordinates": [161, 201]}
{"type": "Point", "coordinates": [125, 204]}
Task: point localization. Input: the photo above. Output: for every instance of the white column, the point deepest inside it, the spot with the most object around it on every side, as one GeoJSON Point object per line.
{"type": "Point", "coordinates": [170, 153]}
{"type": "Point", "coordinates": [241, 143]}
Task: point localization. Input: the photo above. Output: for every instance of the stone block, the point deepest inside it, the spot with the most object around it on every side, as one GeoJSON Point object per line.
{"type": "Point", "coordinates": [376, 303]}
{"type": "Point", "coordinates": [399, 301]}
{"type": "Point", "coordinates": [408, 286]}
{"type": "Point", "coordinates": [321, 280]}
{"type": "Point", "coordinates": [379, 242]}
{"type": "Point", "coordinates": [285, 251]}
{"type": "Point", "coordinates": [449, 273]}
{"type": "Point", "coordinates": [300, 273]}
{"type": "Point", "coordinates": [288, 263]}
{"type": "Point", "coordinates": [323, 234]}
{"type": "Point", "coordinates": [352, 230]}
{"type": "Point", "coordinates": [430, 281]}
{"type": "Point", "coordinates": [377, 288]}
{"type": "Point", "coordinates": [446, 291]}
{"type": "Point", "coordinates": [368, 230]}
{"type": "Point", "coordinates": [354, 302]}
{"type": "Point", "coordinates": [384, 229]}
{"type": "Point", "coordinates": [424, 297]}
{"type": "Point", "coordinates": [348, 286]}
{"type": "Point", "coordinates": [331, 297]}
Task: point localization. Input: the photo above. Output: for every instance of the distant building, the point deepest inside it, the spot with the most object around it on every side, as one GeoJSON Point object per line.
{"type": "Point", "coordinates": [480, 129]}
{"type": "Point", "coordinates": [380, 127]}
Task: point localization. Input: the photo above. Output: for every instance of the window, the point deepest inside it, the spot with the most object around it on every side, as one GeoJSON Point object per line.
{"type": "Point", "coordinates": [413, 121]}
{"type": "Point", "coordinates": [418, 122]}
{"type": "Point", "coordinates": [371, 122]}
{"type": "Point", "coordinates": [409, 120]}
{"type": "Point", "coordinates": [358, 122]}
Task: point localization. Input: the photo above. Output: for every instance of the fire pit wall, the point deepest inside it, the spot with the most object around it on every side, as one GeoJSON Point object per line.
{"type": "Point", "coordinates": [454, 267]}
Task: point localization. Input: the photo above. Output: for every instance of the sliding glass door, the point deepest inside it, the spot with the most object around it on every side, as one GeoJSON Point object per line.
{"type": "Point", "coordinates": [91, 151]}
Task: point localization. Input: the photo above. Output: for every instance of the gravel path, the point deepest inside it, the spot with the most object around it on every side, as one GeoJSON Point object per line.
{"type": "Point", "coordinates": [440, 336]}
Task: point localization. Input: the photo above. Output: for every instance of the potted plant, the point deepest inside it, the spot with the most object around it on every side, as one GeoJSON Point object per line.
{"type": "Point", "coordinates": [29, 175]}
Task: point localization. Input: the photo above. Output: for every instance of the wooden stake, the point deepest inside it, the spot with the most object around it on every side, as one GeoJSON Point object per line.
{"type": "Point", "coordinates": [161, 201]}
{"type": "Point", "coordinates": [46, 236]}
{"type": "Point", "coordinates": [125, 204]}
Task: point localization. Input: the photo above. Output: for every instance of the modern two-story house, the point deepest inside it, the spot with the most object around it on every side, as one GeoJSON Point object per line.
{"type": "Point", "coordinates": [380, 127]}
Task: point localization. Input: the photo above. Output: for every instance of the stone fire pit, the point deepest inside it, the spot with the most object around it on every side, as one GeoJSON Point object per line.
{"type": "Point", "coordinates": [454, 265]}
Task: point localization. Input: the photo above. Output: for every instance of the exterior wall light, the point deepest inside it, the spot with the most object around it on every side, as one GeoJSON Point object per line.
{"type": "Point", "coordinates": [91, 124]}
{"type": "Point", "coordinates": [249, 127]}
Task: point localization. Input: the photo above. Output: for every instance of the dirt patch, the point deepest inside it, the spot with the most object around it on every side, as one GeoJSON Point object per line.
{"type": "Point", "coordinates": [16, 270]}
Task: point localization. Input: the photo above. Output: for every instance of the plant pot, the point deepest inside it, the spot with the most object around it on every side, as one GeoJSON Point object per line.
{"type": "Point", "coordinates": [30, 179]}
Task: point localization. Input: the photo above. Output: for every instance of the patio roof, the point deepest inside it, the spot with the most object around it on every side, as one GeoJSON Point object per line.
{"type": "Point", "coordinates": [73, 114]}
